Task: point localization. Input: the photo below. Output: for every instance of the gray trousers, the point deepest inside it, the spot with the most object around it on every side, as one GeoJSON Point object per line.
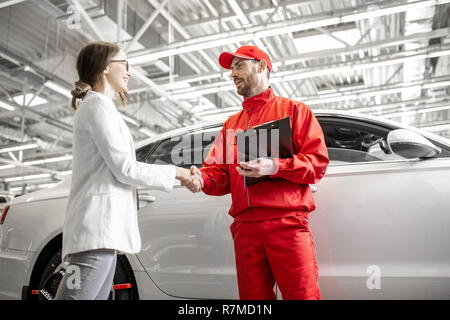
{"type": "Point", "coordinates": [89, 276]}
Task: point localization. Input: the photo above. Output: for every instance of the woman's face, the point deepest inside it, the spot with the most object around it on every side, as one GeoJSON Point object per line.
{"type": "Point", "coordinates": [116, 72]}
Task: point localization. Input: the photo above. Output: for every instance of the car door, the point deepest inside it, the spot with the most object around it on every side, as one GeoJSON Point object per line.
{"type": "Point", "coordinates": [381, 223]}
{"type": "Point", "coordinates": [187, 249]}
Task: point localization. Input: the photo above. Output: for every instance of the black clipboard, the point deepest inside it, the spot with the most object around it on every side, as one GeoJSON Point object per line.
{"type": "Point", "coordinates": [262, 140]}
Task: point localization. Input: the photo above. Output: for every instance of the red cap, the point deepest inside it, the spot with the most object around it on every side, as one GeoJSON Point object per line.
{"type": "Point", "coordinates": [244, 52]}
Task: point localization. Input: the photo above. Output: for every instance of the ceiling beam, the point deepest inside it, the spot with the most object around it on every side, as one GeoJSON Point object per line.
{"type": "Point", "coordinates": [360, 93]}
{"type": "Point", "coordinates": [85, 16]}
{"type": "Point", "coordinates": [238, 11]}
{"type": "Point", "coordinates": [183, 32]}
{"type": "Point", "coordinates": [438, 82]}
{"type": "Point", "coordinates": [146, 25]}
{"type": "Point", "coordinates": [322, 70]}
{"type": "Point", "coordinates": [439, 33]}
{"type": "Point", "coordinates": [138, 73]}
{"type": "Point", "coordinates": [275, 28]}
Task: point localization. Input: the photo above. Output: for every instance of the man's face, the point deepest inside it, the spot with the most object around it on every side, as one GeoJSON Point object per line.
{"type": "Point", "coordinates": [243, 73]}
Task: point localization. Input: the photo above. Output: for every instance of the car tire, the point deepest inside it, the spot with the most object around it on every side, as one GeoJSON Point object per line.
{"type": "Point", "coordinates": [123, 278]}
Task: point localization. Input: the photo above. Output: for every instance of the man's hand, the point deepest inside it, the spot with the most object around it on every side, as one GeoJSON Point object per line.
{"type": "Point", "coordinates": [257, 168]}
{"type": "Point", "coordinates": [193, 182]}
{"type": "Point", "coordinates": [195, 172]}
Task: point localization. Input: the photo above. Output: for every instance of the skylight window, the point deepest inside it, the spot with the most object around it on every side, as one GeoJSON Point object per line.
{"type": "Point", "coordinates": [36, 101]}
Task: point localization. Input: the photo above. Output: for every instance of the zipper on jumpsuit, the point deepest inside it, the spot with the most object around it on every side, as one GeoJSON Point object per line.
{"type": "Point", "coordinates": [248, 196]}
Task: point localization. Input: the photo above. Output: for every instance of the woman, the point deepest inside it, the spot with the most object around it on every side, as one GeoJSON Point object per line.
{"type": "Point", "coordinates": [101, 215]}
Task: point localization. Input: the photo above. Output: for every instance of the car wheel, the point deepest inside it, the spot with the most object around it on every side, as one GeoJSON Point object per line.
{"type": "Point", "coordinates": [124, 284]}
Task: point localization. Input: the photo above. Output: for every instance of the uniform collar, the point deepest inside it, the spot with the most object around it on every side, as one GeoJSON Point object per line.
{"type": "Point", "coordinates": [258, 101]}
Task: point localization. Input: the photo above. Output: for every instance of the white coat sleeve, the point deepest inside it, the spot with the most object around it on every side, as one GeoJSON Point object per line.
{"type": "Point", "coordinates": [114, 147]}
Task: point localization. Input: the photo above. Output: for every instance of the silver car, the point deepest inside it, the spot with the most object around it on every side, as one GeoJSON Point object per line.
{"type": "Point", "coordinates": [381, 227]}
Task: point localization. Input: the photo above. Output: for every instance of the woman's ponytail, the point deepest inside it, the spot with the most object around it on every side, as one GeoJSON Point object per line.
{"type": "Point", "coordinates": [80, 91]}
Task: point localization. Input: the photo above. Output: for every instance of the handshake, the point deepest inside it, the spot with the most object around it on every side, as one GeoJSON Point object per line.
{"type": "Point", "coordinates": [191, 179]}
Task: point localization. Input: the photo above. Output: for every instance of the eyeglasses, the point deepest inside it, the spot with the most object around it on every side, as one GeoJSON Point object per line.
{"type": "Point", "coordinates": [127, 64]}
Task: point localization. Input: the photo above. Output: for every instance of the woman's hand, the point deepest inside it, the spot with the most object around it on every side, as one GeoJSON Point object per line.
{"type": "Point", "coordinates": [193, 182]}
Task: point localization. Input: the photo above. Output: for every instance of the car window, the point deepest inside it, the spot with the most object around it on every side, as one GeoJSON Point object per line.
{"type": "Point", "coordinates": [348, 141]}
{"type": "Point", "coordinates": [186, 150]}
{"type": "Point", "coordinates": [352, 144]}
{"type": "Point", "coordinates": [144, 152]}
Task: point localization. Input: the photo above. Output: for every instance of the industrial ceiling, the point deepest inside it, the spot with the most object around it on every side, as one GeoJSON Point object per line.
{"type": "Point", "coordinates": [385, 58]}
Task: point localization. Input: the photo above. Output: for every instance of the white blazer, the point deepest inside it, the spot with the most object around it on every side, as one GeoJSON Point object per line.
{"type": "Point", "coordinates": [101, 210]}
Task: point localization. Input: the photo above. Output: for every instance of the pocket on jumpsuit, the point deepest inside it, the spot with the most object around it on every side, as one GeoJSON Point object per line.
{"type": "Point", "coordinates": [233, 229]}
{"type": "Point", "coordinates": [305, 221]}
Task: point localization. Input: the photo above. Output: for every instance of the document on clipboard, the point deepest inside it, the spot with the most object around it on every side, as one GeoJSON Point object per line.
{"type": "Point", "coordinates": [271, 140]}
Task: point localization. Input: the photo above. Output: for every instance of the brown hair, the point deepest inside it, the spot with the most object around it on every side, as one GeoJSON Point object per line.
{"type": "Point", "coordinates": [91, 61]}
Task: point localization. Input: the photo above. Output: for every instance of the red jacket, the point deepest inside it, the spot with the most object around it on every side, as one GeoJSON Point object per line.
{"type": "Point", "coordinates": [285, 193]}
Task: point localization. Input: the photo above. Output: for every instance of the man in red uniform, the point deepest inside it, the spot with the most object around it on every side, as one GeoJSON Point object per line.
{"type": "Point", "coordinates": [272, 238]}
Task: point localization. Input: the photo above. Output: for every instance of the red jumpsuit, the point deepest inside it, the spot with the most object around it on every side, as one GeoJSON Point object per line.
{"type": "Point", "coordinates": [272, 239]}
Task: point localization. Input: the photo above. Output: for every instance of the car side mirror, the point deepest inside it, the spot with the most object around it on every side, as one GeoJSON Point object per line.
{"type": "Point", "coordinates": [410, 145]}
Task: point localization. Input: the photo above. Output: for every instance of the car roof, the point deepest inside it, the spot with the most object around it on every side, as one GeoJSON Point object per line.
{"type": "Point", "coordinates": [318, 113]}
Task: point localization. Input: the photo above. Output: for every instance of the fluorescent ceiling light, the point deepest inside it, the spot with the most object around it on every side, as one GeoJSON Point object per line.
{"type": "Point", "coordinates": [30, 177]}
{"type": "Point", "coordinates": [321, 42]}
{"type": "Point", "coordinates": [434, 85]}
{"type": "Point", "coordinates": [175, 85]}
{"type": "Point", "coordinates": [48, 160]}
{"type": "Point", "coordinates": [57, 88]}
{"type": "Point", "coordinates": [224, 86]}
{"type": "Point", "coordinates": [40, 161]}
{"type": "Point", "coordinates": [46, 185]}
{"type": "Point", "coordinates": [36, 101]}
{"type": "Point", "coordinates": [7, 166]}
{"type": "Point", "coordinates": [145, 58]}
{"type": "Point", "coordinates": [19, 147]}
{"type": "Point", "coordinates": [6, 106]}
{"type": "Point", "coordinates": [15, 189]}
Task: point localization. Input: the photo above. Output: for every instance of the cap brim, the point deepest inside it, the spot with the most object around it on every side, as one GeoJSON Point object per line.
{"type": "Point", "coordinates": [225, 58]}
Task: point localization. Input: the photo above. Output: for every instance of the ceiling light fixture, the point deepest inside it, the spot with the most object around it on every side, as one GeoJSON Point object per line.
{"type": "Point", "coordinates": [19, 147]}
{"type": "Point", "coordinates": [30, 177]}
{"type": "Point", "coordinates": [7, 166]}
{"type": "Point", "coordinates": [6, 106]}
{"type": "Point", "coordinates": [57, 88]}
{"type": "Point", "coordinates": [48, 160]}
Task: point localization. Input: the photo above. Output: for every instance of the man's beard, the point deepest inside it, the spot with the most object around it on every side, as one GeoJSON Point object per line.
{"type": "Point", "coordinates": [244, 90]}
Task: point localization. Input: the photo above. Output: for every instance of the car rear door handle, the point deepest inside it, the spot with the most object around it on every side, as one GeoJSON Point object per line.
{"type": "Point", "coordinates": [313, 188]}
